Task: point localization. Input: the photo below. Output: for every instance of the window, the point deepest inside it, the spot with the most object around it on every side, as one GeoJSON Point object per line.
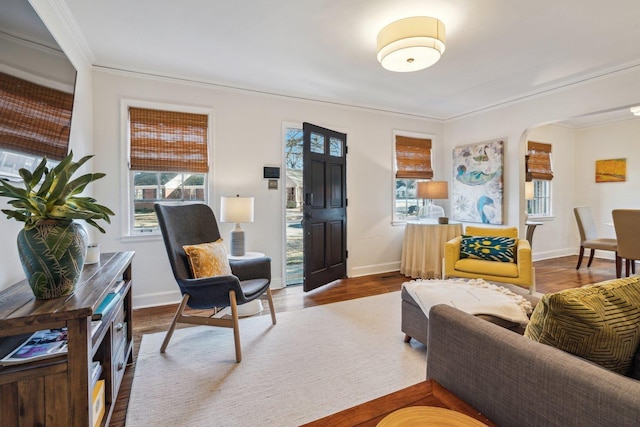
{"type": "Point", "coordinates": [35, 121]}
{"type": "Point", "coordinates": [540, 171]}
{"type": "Point", "coordinates": [540, 205]}
{"type": "Point", "coordinates": [168, 162]}
{"type": "Point", "coordinates": [11, 163]}
{"type": "Point", "coordinates": [412, 163]}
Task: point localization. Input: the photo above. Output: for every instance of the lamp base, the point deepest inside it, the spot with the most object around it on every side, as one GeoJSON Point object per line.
{"type": "Point", "coordinates": [237, 241]}
{"type": "Point", "coordinates": [432, 211]}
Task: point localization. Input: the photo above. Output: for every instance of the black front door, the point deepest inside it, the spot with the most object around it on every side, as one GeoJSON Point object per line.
{"type": "Point", "coordinates": [324, 221]}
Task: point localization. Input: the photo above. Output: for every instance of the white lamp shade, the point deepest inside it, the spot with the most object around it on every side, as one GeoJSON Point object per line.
{"type": "Point", "coordinates": [528, 190]}
{"type": "Point", "coordinates": [236, 209]}
{"type": "Point", "coordinates": [411, 44]}
{"type": "Point", "coordinates": [433, 190]}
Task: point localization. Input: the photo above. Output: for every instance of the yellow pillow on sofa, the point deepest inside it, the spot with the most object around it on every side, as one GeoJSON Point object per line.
{"type": "Point", "coordinates": [599, 322]}
{"type": "Point", "coordinates": [208, 259]}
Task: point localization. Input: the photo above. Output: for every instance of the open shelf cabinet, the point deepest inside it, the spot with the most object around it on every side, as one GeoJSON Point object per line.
{"type": "Point", "coordinates": [58, 391]}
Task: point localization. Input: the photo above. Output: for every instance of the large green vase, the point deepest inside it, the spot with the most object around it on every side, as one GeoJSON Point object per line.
{"type": "Point", "coordinates": [52, 256]}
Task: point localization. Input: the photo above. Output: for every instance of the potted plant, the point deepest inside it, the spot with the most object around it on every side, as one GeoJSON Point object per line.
{"type": "Point", "coordinates": [53, 244]}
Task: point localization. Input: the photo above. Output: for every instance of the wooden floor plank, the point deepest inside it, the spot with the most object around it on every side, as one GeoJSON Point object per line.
{"type": "Point", "coordinates": [551, 276]}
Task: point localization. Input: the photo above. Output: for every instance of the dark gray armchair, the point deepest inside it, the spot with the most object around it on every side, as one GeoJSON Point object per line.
{"type": "Point", "coordinates": [195, 224]}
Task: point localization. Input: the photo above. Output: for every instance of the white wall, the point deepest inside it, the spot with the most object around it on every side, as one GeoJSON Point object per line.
{"type": "Point", "coordinates": [618, 140]}
{"type": "Point", "coordinates": [514, 122]}
{"type": "Point", "coordinates": [555, 237]}
{"type": "Point", "coordinates": [248, 135]}
{"type": "Point", "coordinates": [575, 152]}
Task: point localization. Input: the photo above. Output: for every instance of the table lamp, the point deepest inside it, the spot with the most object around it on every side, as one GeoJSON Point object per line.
{"type": "Point", "coordinates": [237, 210]}
{"type": "Point", "coordinates": [529, 194]}
{"type": "Point", "coordinates": [430, 190]}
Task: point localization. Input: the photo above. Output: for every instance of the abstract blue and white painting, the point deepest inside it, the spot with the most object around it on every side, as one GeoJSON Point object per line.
{"type": "Point", "coordinates": [478, 182]}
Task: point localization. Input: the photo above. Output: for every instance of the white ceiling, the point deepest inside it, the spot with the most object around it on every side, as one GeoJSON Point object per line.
{"type": "Point", "coordinates": [498, 51]}
{"type": "Point", "coordinates": [19, 20]}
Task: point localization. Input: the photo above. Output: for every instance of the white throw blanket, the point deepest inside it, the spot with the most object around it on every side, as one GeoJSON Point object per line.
{"type": "Point", "coordinates": [472, 296]}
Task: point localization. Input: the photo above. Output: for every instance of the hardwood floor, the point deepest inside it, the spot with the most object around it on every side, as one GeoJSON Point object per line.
{"type": "Point", "coordinates": [551, 276]}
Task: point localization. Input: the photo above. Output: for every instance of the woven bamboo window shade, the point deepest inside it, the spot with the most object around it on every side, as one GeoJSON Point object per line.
{"type": "Point", "coordinates": [34, 119]}
{"type": "Point", "coordinates": [539, 161]}
{"type": "Point", "coordinates": [413, 158]}
{"type": "Point", "coordinates": [168, 141]}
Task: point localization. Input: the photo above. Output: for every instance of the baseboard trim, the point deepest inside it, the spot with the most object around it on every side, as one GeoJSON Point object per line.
{"type": "Point", "coordinates": [368, 270]}
{"type": "Point", "coordinates": [154, 300]}
{"type": "Point", "coordinates": [174, 297]}
{"type": "Point", "coordinates": [541, 256]}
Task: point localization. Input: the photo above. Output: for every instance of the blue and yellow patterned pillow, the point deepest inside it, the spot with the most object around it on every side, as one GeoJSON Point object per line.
{"type": "Point", "coordinates": [489, 248]}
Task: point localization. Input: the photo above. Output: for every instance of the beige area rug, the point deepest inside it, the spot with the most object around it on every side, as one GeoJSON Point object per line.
{"type": "Point", "coordinates": [314, 362]}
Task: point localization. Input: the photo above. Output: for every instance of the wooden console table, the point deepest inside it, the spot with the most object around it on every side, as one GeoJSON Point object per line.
{"type": "Point", "coordinates": [427, 393]}
{"type": "Point", "coordinates": [58, 391]}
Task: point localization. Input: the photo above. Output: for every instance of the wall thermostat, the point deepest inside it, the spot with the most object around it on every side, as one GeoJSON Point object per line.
{"type": "Point", "coordinates": [271, 172]}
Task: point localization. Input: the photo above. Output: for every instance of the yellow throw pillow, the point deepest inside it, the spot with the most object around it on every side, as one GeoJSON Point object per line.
{"type": "Point", "coordinates": [599, 322]}
{"type": "Point", "coordinates": [208, 259]}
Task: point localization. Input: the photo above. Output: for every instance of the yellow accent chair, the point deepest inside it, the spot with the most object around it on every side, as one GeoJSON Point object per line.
{"type": "Point", "coordinates": [520, 273]}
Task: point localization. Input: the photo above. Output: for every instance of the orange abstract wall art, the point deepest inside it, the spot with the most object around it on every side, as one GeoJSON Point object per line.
{"type": "Point", "coordinates": [612, 170]}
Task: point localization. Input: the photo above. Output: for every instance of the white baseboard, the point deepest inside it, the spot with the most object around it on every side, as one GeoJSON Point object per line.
{"type": "Point", "coordinates": [174, 297]}
{"type": "Point", "coordinates": [540, 256]}
{"type": "Point", "coordinates": [154, 300]}
{"type": "Point", "coordinates": [277, 283]}
{"type": "Point", "coordinates": [373, 269]}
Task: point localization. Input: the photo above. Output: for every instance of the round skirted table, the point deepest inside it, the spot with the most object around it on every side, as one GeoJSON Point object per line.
{"type": "Point", "coordinates": [423, 248]}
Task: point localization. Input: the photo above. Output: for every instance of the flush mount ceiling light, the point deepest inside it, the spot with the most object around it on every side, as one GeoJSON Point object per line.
{"type": "Point", "coordinates": [411, 44]}
{"type": "Point", "coordinates": [635, 110]}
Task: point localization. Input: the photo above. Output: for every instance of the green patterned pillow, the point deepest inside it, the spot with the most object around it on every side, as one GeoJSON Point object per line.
{"type": "Point", "coordinates": [599, 322]}
{"type": "Point", "coordinates": [489, 248]}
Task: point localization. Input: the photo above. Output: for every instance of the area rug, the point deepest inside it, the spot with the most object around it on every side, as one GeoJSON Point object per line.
{"type": "Point", "coordinates": [314, 362]}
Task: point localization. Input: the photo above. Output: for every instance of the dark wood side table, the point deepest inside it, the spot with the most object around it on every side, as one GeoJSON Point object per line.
{"type": "Point", "coordinates": [427, 393]}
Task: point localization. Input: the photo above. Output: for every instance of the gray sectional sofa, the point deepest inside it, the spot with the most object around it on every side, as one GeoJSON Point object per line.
{"type": "Point", "coordinates": [515, 381]}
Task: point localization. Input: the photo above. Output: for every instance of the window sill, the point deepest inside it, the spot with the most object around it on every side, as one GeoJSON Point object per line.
{"type": "Point", "coordinates": [137, 238]}
{"type": "Point", "coordinates": [540, 218]}
{"type": "Point", "coordinates": [402, 222]}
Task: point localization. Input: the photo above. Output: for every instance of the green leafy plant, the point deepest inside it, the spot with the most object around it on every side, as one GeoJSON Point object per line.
{"type": "Point", "coordinates": [52, 194]}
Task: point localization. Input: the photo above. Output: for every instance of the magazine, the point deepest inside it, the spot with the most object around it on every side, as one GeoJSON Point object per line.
{"type": "Point", "coordinates": [40, 345]}
{"type": "Point", "coordinates": [96, 370]}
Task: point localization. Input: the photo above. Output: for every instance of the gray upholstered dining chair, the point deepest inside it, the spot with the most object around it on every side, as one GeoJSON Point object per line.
{"type": "Point", "coordinates": [589, 235]}
{"type": "Point", "coordinates": [195, 224]}
{"type": "Point", "coordinates": [627, 225]}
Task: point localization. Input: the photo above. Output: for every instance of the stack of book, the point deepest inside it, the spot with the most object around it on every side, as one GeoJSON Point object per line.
{"type": "Point", "coordinates": [97, 403]}
{"type": "Point", "coordinates": [108, 302]}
